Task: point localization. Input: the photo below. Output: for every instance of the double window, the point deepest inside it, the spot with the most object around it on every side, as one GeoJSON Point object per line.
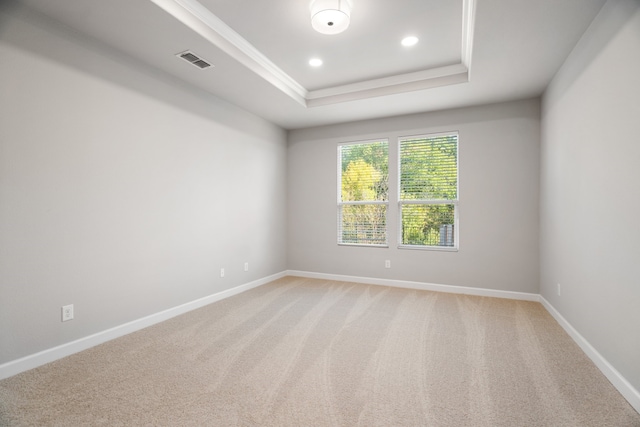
{"type": "Point", "coordinates": [427, 182]}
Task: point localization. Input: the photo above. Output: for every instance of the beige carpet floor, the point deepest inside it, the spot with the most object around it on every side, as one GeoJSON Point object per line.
{"type": "Point", "coordinates": [302, 352]}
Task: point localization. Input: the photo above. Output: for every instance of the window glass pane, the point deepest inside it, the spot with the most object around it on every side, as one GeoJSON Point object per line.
{"type": "Point", "coordinates": [429, 168]}
{"type": "Point", "coordinates": [363, 224]}
{"type": "Point", "coordinates": [364, 172]}
{"type": "Point", "coordinates": [428, 225]}
{"type": "Point", "coordinates": [363, 193]}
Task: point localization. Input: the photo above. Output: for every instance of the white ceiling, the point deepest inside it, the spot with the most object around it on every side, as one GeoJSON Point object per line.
{"type": "Point", "coordinates": [283, 34]}
{"type": "Point", "coordinates": [470, 51]}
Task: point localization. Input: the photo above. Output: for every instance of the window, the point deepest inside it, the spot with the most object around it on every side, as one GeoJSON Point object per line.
{"type": "Point", "coordinates": [428, 193]}
{"type": "Point", "coordinates": [363, 193]}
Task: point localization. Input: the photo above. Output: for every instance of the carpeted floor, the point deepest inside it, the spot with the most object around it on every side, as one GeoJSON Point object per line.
{"type": "Point", "coordinates": [303, 352]}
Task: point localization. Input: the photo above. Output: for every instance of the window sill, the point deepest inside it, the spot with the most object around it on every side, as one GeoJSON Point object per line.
{"type": "Point", "coordinates": [363, 245]}
{"type": "Point", "coordinates": [429, 248]}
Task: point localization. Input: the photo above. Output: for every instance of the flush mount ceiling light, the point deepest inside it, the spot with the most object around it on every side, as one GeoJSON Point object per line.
{"type": "Point", "coordinates": [315, 62]}
{"type": "Point", "coordinates": [330, 16]}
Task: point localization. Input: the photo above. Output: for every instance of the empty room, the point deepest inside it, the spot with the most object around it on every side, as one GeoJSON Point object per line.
{"type": "Point", "coordinates": [320, 212]}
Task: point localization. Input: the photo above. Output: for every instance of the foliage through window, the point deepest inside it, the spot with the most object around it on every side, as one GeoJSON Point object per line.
{"type": "Point", "coordinates": [363, 193]}
{"type": "Point", "coordinates": [428, 197]}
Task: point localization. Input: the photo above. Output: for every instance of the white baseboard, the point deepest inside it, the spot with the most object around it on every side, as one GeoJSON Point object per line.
{"type": "Point", "coordinates": [483, 292]}
{"type": "Point", "coordinates": [14, 367]}
{"type": "Point", "coordinates": [619, 382]}
{"type": "Point", "coordinates": [38, 359]}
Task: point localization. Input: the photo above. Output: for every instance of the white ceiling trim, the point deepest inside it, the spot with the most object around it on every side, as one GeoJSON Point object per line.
{"type": "Point", "coordinates": [201, 20]}
{"type": "Point", "coordinates": [468, 26]}
{"type": "Point", "coordinates": [419, 80]}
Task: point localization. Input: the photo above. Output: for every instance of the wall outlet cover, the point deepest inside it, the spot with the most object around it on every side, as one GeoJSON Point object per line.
{"type": "Point", "coordinates": [67, 312]}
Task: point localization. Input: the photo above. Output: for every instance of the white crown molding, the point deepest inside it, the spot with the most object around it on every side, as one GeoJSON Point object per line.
{"type": "Point", "coordinates": [468, 26]}
{"type": "Point", "coordinates": [419, 80]}
{"type": "Point", "coordinates": [201, 20]}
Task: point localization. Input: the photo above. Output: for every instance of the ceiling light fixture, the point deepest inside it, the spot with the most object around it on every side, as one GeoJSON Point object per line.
{"type": "Point", "coordinates": [330, 16]}
{"type": "Point", "coordinates": [409, 41]}
{"type": "Point", "coordinates": [315, 62]}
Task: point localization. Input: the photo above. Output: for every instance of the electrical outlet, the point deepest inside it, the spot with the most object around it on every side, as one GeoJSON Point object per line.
{"type": "Point", "coordinates": [559, 290]}
{"type": "Point", "coordinates": [246, 266]}
{"type": "Point", "coordinates": [67, 312]}
{"type": "Point", "coordinates": [387, 264]}
{"type": "Point", "coordinates": [222, 272]}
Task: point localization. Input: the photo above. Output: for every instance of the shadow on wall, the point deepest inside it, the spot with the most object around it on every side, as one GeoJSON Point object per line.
{"type": "Point", "coordinates": [107, 63]}
{"type": "Point", "coordinates": [410, 124]}
{"type": "Point", "coordinates": [612, 17]}
{"type": "Point", "coordinates": [6, 8]}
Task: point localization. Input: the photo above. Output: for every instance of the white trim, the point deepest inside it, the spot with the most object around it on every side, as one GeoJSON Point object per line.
{"type": "Point", "coordinates": [428, 202]}
{"type": "Point", "coordinates": [429, 248]}
{"type": "Point", "coordinates": [363, 141]}
{"type": "Point", "coordinates": [419, 80]}
{"type": "Point", "coordinates": [363, 245]}
{"type": "Point", "coordinates": [455, 203]}
{"type": "Point", "coordinates": [431, 135]}
{"type": "Point", "coordinates": [342, 203]}
{"type": "Point", "coordinates": [17, 366]}
{"type": "Point", "coordinates": [38, 359]}
{"type": "Point", "coordinates": [452, 289]}
{"type": "Point", "coordinates": [365, 202]}
{"type": "Point", "coordinates": [201, 20]}
{"type": "Point", "coordinates": [619, 382]}
{"type": "Point", "coordinates": [468, 20]}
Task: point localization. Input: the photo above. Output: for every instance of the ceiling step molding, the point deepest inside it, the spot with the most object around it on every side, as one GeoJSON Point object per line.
{"type": "Point", "coordinates": [419, 80]}
{"type": "Point", "coordinates": [201, 20]}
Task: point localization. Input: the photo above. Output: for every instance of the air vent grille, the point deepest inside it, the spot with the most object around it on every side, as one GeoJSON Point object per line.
{"type": "Point", "coordinates": [194, 59]}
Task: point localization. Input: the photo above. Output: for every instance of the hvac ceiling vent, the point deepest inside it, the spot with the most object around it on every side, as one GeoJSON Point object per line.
{"type": "Point", "coordinates": [194, 59]}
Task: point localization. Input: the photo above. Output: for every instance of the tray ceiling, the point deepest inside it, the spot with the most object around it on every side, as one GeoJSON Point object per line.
{"type": "Point", "coordinates": [470, 52]}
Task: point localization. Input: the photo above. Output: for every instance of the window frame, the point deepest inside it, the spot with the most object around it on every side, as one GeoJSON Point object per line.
{"type": "Point", "coordinates": [341, 203]}
{"type": "Point", "coordinates": [455, 203]}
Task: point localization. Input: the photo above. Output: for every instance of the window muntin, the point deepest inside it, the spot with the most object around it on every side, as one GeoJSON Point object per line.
{"type": "Point", "coordinates": [428, 191]}
{"type": "Point", "coordinates": [363, 193]}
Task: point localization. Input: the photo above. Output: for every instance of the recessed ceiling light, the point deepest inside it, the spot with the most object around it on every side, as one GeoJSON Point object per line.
{"type": "Point", "coordinates": [409, 41]}
{"type": "Point", "coordinates": [315, 62]}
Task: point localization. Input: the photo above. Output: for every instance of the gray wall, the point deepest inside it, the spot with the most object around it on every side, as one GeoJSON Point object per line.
{"type": "Point", "coordinates": [121, 192]}
{"type": "Point", "coordinates": [590, 188]}
{"type": "Point", "coordinates": [498, 180]}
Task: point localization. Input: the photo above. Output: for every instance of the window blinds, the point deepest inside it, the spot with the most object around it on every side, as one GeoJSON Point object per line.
{"type": "Point", "coordinates": [363, 193]}
{"type": "Point", "coordinates": [429, 168]}
{"type": "Point", "coordinates": [428, 187]}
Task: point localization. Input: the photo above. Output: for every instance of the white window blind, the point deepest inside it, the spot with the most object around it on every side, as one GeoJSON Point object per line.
{"type": "Point", "coordinates": [363, 193]}
{"type": "Point", "coordinates": [428, 193]}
